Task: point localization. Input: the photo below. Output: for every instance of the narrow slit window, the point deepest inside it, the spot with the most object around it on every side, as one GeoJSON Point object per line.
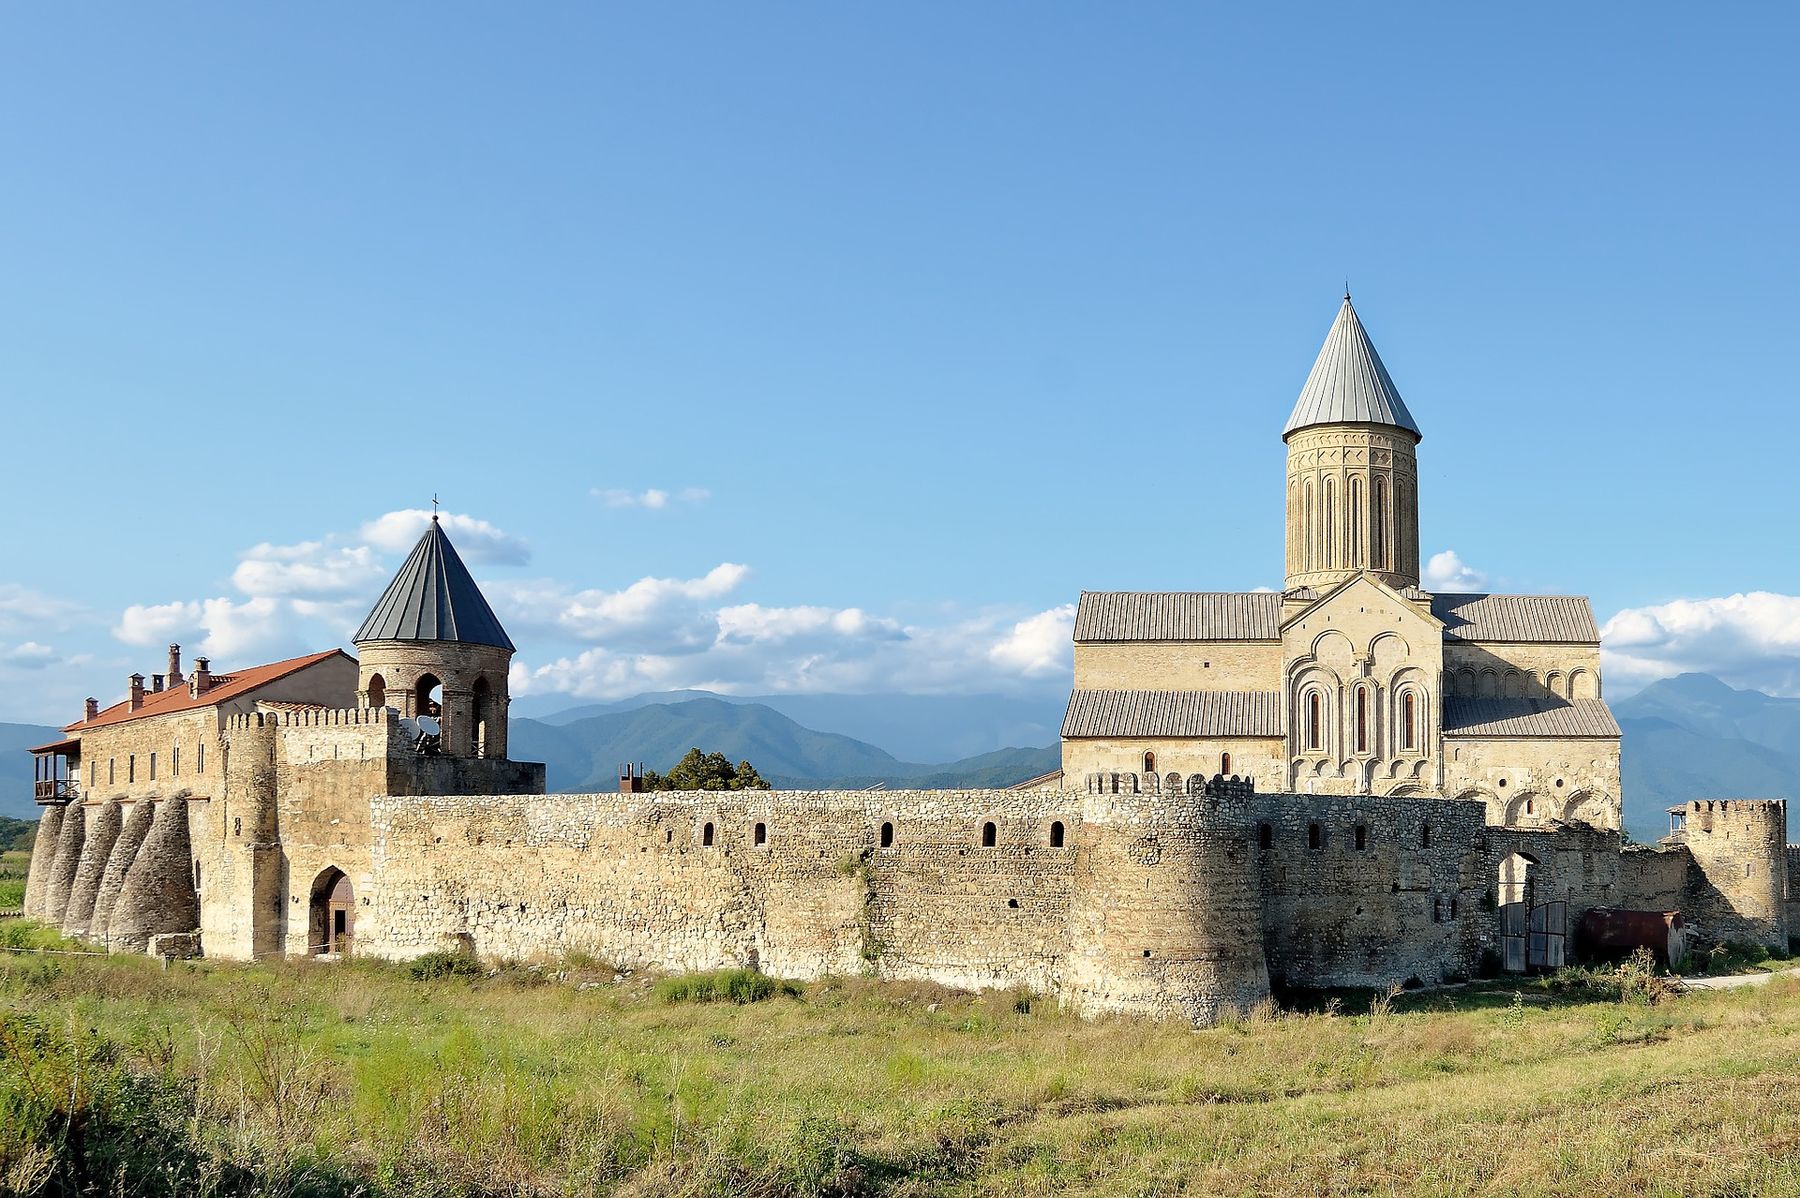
{"type": "Point", "coordinates": [1056, 834]}
{"type": "Point", "coordinates": [1265, 836]}
{"type": "Point", "coordinates": [1425, 836]}
{"type": "Point", "coordinates": [990, 835]}
{"type": "Point", "coordinates": [1409, 715]}
{"type": "Point", "coordinates": [762, 834]}
{"type": "Point", "coordinates": [153, 767]}
{"type": "Point", "coordinates": [887, 836]}
{"type": "Point", "coordinates": [1362, 838]}
{"type": "Point", "coordinates": [706, 836]}
{"type": "Point", "coordinates": [200, 759]}
{"type": "Point", "coordinates": [1315, 836]}
{"type": "Point", "coordinates": [1225, 764]}
{"type": "Point", "coordinates": [1362, 721]}
{"type": "Point", "coordinates": [1313, 737]}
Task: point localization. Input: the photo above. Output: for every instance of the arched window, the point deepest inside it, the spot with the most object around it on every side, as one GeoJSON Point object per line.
{"type": "Point", "coordinates": [762, 834]}
{"type": "Point", "coordinates": [1409, 716]}
{"type": "Point", "coordinates": [1328, 556]}
{"type": "Point", "coordinates": [484, 704]}
{"type": "Point", "coordinates": [887, 836]}
{"type": "Point", "coordinates": [1056, 834]}
{"type": "Point", "coordinates": [1265, 836]}
{"type": "Point", "coordinates": [1379, 527]}
{"type": "Point", "coordinates": [1362, 838]}
{"type": "Point", "coordinates": [1362, 719]}
{"type": "Point", "coordinates": [1315, 734]}
{"type": "Point", "coordinates": [428, 696]}
{"type": "Point", "coordinates": [1225, 764]}
{"type": "Point", "coordinates": [1356, 529]}
{"type": "Point", "coordinates": [990, 835]}
{"type": "Point", "coordinates": [706, 836]}
{"type": "Point", "coordinates": [377, 691]}
{"type": "Point", "coordinates": [1309, 528]}
{"type": "Point", "coordinates": [1149, 763]}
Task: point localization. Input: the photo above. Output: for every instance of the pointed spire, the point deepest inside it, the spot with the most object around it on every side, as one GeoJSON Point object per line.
{"type": "Point", "coordinates": [1348, 383]}
{"type": "Point", "coordinates": [433, 598]}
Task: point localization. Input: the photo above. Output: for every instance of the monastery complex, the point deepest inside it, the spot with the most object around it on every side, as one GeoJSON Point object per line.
{"type": "Point", "coordinates": [1349, 782]}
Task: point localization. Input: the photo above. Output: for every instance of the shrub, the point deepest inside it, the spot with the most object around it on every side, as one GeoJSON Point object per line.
{"type": "Point", "coordinates": [725, 985]}
{"type": "Point", "coordinates": [440, 964]}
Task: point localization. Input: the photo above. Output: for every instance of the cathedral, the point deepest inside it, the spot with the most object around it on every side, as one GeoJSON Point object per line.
{"type": "Point", "coordinates": [1352, 679]}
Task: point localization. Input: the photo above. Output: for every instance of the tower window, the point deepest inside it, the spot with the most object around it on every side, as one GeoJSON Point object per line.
{"type": "Point", "coordinates": [200, 758]}
{"type": "Point", "coordinates": [990, 835]}
{"type": "Point", "coordinates": [1149, 763]}
{"type": "Point", "coordinates": [1315, 836]}
{"type": "Point", "coordinates": [706, 836]}
{"type": "Point", "coordinates": [887, 836]}
{"type": "Point", "coordinates": [762, 834]}
{"type": "Point", "coordinates": [1225, 764]}
{"type": "Point", "coordinates": [1379, 528]}
{"type": "Point", "coordinates": [1056, 834]}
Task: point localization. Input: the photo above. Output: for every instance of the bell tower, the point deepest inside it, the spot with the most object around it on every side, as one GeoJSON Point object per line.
{"type": "Point", "coordinates": [431, 640]}
{"type": "Point", "coordinates": [1352, 470]}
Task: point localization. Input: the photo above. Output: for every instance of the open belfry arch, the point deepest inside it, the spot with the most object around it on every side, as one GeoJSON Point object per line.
{"type": "Point", "coordinates": [1352, 679]}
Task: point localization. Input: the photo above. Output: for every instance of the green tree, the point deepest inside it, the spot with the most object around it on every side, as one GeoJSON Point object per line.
{"type": "Point", "coordinates": [706, 771]}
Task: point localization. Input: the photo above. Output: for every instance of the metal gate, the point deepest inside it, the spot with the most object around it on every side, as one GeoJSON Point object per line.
{"type": "Point", "coordinates": [1532, 937]}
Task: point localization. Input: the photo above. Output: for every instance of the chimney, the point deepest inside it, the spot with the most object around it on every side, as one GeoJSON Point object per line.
{"type": "Point", "coordinates": [202, 676]}
{"type": "Point", "coordinates": [156, 684]}
{"type": "Point", "coordinates": [134, 692]}
{"type": "Point", "coordinates": [92, 710]}
{"type": "Point", "coordinates": [174, 666]}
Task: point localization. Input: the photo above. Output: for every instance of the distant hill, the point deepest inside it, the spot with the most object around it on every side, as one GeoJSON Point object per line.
{"type": "Point", "coordinates": [16, 765]}
{"type": "Point", "coordinates": [912, 727]}
{"type": "Point", "coordinates": [1693, 736]}
{"type": "Point", "coordinates": [585, 753]}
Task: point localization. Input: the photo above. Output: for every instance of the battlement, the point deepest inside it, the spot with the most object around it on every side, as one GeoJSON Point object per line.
{"type": "Point", "coordinates": [1745, 807]}
{"type": "Point", "coordinates": [312, 718]}
{"type": "Point", "coordinates": [1216, 787]}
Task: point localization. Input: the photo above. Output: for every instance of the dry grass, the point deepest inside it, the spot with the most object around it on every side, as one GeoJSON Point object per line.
{"type": "Point", "coordinates": [322, 1079]}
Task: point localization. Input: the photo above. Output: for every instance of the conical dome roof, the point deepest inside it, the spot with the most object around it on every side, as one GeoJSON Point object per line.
{"type": "Point", "coordinates": [1348, 383]}
{"type": "Point", "coordinates": [433, 598]}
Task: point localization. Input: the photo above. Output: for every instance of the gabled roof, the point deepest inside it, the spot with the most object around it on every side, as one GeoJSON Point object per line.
{"type": "Point", "coordinates": [1173, 713]}
{"type": "Point", "coordinates": [433, 598]}
{"type": "Point", "coordinates": [1178, 616]}
{"type": "Point", "coordinates": [224, 687]}
{"type": "Point", "coordinates": [1464, 716]}
{"type": "Point", "coordinates": [1348, 383]}
{"type": "Point", "coordinates": [1518, 619]}
{"type": "Point", "coordinates": [1404, 598]}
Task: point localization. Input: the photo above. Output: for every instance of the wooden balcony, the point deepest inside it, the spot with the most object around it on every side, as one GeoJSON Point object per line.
{"type": "Point", "coordinates": [56, 790]}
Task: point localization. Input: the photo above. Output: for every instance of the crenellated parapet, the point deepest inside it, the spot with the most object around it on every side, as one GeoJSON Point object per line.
{"type": "Point", "coordinates": [1737, 888]}
{"type": "Point", "coordinates": [1114, 782]}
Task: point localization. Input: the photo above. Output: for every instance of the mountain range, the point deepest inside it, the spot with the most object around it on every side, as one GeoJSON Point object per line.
{"type": "Point", "coordinates": [1686, 737]}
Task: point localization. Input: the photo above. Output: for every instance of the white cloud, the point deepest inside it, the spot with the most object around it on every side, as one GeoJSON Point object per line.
{"type": "Point", "coordinates": [1750, 640]}
{"type": "Point", "coordinates": [29, 655]}
{"type": "Point", "coordinates": [652, 615]}
{"type": "Point", "coordinates": [221, 627]}
{"type": "Point", "coordinates": [1448, 572]}
{"type": "Point", "coordinates": [22, 607]}
{"type": "Point", "coordinates": [309, 568]}
{"type": "Point", "coordinates": [654, 498]}
{"type": "Point", "coordinates": [477, 540]}
{"type": "Point", "coordinates": [1042, 644]}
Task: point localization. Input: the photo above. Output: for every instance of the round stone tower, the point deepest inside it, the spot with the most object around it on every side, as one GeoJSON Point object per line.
{"type": "Point", "coordinates": [433, 638]}
{"type": "Point", "coordinates": [1165, 921]}
{"type": "Point", "coordinates": [1352, 470]}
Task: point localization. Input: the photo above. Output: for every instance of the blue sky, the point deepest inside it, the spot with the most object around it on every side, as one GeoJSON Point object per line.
{"type": "Point", "coordinates": [920, 319]}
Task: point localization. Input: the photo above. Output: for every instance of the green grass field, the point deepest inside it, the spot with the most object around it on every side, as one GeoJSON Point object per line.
{"type": "Point", "coordinates": [302, 1078]}
{"type": "Point", "coordinates": [13, 867]}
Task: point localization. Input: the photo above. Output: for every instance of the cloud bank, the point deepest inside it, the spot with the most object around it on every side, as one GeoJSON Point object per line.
{"type": "Point", "coordinates": [1749, 640]}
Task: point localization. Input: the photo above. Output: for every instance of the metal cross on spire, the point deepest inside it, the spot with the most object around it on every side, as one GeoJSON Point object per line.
{"type": "Point", "coordinates": [434, 507]}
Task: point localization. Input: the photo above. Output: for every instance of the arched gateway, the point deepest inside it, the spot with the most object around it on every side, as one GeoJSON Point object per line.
{"type": "Point", "coordinates": [333, 923]}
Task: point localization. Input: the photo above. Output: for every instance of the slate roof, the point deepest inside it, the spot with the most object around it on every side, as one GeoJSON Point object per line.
{"type": "Point", "coordinates": [1348, 383]}
{"type": "Point", "coordinates": [1178, 616]}
{"type": "Point", "coordinates": [1173, 713]}
{"type": "Point", "coordinates": [1465, 716]}
{"type": "Point", "coordinates": [433, 598]}
{"type": "Point", "coordinates": [224, 687]}
{"type": "Point", "coordinates": [1541, 619]}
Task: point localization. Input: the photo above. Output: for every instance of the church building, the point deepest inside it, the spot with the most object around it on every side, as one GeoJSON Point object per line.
{"type": "Point", "coordinates": [1351, 680]}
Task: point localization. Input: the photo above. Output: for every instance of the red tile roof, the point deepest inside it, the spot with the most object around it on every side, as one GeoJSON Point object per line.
{"type": "Point", "coordinates": [224, 687]}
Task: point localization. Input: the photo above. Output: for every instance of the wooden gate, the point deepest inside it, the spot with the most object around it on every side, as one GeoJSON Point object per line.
{"type": "Point", "coordinates": [1533, 937]}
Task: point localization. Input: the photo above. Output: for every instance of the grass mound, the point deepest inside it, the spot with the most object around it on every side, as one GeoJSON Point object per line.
{"type": "Point", "coordinates": [738, 986]}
